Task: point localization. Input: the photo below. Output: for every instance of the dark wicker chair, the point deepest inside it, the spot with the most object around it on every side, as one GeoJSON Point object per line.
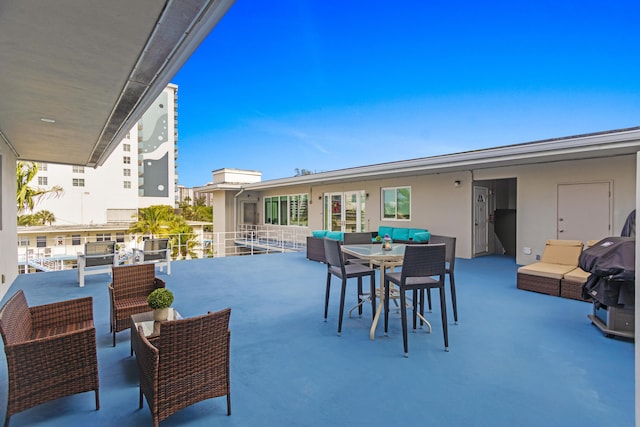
{"type": "Point", "coordinates": [128, 294]}
{"type": "Point", "coordinates": [421, 263]}
{"type": "Point", "coordinates": [50, 349]}
{"type": "Point", "coordinates": [450, 259]}
{"type": "Point", "coordinates": [187, 363]}
{"type": "Point", "coordinates": [337, 267]}
{"type": "Point", "coordinates": [360, 238]}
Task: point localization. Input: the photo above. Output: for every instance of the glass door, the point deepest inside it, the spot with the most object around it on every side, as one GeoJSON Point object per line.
{"type": "Point", "coordinates": [344, 211]}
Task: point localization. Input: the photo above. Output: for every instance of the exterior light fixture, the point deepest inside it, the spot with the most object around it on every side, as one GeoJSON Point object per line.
{"type": "Point", "coordinates": [457, 183]}
{"type": "Point", "coordinates": [47, 120]}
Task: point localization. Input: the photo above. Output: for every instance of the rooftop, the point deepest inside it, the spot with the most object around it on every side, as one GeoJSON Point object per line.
{"type": "Point", "coordinates": [516, 357]}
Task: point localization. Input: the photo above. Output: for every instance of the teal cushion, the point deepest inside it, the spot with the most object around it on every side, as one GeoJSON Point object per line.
{"type": "Point", "coordinates": [423, 236]}
{"type": "Point", "coordinates": [382, 230]}
{"type": "Point", "coordinates": [400, 234]}
{"type": "Point", "coordinates": [320, 234]}
{"type": "Point", "coordinates": [335, 235]}
{"type": "Point", "coordinates": [413, 231]}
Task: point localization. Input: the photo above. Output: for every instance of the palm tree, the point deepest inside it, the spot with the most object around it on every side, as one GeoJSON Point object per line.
{"type": "Point", "coordinates": [154, 221]}
{"type": "Point", "coordinates": [45, 216]}
{"type": "Point", "coordinates": [27, 196]}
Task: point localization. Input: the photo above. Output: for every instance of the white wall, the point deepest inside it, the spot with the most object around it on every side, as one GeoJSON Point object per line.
{"type": "Point", "coordinates": [9, 228]}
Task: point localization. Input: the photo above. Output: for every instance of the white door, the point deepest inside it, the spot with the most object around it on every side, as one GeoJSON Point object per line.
{"type": "Point", "coordinates": [480, 220]}
{"type": "Point", "coordinates": [584, 211]}
{"type": "Point", "coordinates": [344, 211]}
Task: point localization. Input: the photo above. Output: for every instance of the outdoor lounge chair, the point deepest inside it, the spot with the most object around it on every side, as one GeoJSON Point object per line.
{"type": "Point", "coordinates": [50, 349]}
{"type": "Point", "coordinates": [98, 258]}
{"type": "Point", "coordinates": [128, 294]}
{"type": "Point", "coordinates": [187, 363]}
{"type": "Point", "coordinates": [558, 258]}
{"type": "Point", "coordinates": [156, 251]}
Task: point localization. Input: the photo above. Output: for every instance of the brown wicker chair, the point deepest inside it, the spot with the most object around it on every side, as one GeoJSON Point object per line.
{"type": "Point", "coordinates": [187, 363]}
{"type": "Point", "coordinates": [50, 349]}
{"type": "Point", "coordinates": [128, 293]}
{"type": "Point", "coordinates": [420, 264]}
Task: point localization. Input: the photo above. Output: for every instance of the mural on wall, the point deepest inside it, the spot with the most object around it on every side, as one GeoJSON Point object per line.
{"type": "Point", "coordinates": [154, 138]}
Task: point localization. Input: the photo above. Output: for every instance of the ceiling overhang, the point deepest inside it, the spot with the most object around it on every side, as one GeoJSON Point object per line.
{"type": "Point", "coordinates": [78, 74]}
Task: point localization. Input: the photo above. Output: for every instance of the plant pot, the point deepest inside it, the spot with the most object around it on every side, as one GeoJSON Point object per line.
{"type": "Point", "coordinates": [160, 314]}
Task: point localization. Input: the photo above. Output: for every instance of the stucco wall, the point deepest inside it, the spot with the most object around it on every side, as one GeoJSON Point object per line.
{"type": "Point", "coordinates": [9, 228]}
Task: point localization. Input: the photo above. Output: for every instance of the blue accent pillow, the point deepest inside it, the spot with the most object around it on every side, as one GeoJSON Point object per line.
{"type": "Point", "coordinates": [382, 230]}
{"type": "Point", "coordinates": [335, 235]}
{"type": "Point", "coordinates": [413, 231]}
{"type": "Point", "coordinates": [400, 234]}
{"type": "Point", "coordinates": [320, 234]}
{"type": "Point", "coordinates": [423, 236]}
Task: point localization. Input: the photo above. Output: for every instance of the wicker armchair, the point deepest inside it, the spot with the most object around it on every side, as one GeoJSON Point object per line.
{"type": "Point", "coordinates": [50, 349]}
{"type": "Point", "coordinates": [188, 363]}
{"type": "Point", "coordinates": [128, 294]}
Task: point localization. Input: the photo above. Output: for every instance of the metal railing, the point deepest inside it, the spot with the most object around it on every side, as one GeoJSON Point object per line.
{"type": "Point", "coordinates": [248, 240]}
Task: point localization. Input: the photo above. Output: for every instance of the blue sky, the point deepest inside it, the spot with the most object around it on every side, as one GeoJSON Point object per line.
{"type": "Point", "coordinates": [324, 85]}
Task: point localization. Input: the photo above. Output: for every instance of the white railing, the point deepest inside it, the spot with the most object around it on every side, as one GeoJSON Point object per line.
{"type": "Point", "coordinates": [248, 240]}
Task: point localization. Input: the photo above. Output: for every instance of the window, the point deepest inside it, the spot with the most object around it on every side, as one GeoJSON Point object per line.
{"type": "Point", "coordinates": [287, 210]}
{"type": "Point", "coordinates": [126, 147]}
{"type": "Point", "coordinates": [126, 160]}
{"type": "Point", "coordinates": [42, 167]}
{"type": "Point", "coordinates": [78, 169]}
{"type": "Point", "coordinates": [120, 237]}
{"type": "Point", "coordinates": [23, 241]}
{"type": "Point", "coordinates": [41, 241]}
{"type": "Point", "coordinates": [75, 239]}
{"type": "Point", "coordinates": [127, 172]}
{"type": "Point", "coordinates": [127, 184]}
{"type": "Point", "coordinates": [103, 237]}
{"type": "Point", "coordinates": [78, 182]}
{"type": "Point", "coordinates": [396, 203]}
{"type": "Point", "coordinates": [42, 180]}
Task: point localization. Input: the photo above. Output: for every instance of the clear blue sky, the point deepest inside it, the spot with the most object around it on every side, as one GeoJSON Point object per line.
{"type": "Point", "coordinates": [325, 85]}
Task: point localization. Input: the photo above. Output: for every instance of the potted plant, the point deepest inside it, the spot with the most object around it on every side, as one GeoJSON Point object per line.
{"type": "Point", "coordinates": [160, 300]}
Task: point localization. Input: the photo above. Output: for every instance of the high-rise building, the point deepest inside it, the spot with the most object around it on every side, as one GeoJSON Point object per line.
{"type": "Point", "coordinates": [140, 172]}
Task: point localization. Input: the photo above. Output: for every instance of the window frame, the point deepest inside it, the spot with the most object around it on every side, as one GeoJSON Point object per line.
{"type": "Point", "coordinates": [394, 203]}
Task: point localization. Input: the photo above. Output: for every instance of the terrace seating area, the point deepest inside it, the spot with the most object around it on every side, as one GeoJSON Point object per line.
{"type": "Point", "coordinates": [510, 362]}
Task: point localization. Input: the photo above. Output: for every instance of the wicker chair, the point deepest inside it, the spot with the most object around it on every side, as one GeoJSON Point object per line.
{"type": "Point", "coordinates": [188, 363]}
{"type": "Point", "coordinates": [128, 293]}
{"type": "Point", "coordinates": [420, 264]}
{"type": "Point", "coordinates": [450, 259]}
{"type": "Point", "coordinates": [337, 267]}
{"type": "Point", "coordinates": [50, 349]}
{"type": "Point", "coordinates": [156, 251]}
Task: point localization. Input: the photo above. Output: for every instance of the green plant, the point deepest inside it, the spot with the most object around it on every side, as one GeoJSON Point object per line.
{"type": "Point", "coordinates": [160, 298]}
{"type": "Point", "coordinates": [378, 238]}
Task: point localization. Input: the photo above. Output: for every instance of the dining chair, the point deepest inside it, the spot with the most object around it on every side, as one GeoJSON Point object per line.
{"type": "Point", "coordinates": [359, 238]}
{"type": "Point", "coordinates": [336, 266]}
{"type": "Point", "coordinates": [450, 259]}
{"type": "Point", "coordinates": [420, 265]}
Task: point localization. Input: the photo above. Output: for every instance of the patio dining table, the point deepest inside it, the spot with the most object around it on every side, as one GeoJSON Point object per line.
{"type": "Point", "coordinates": [385, 258]}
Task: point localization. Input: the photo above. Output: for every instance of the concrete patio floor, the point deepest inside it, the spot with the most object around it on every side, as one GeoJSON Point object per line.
{"type": "Point", "coordinates": [516, 358]}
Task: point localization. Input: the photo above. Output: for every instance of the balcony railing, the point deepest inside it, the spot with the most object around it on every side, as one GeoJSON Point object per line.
{"type": "Point", "coordinates": [248, 240]}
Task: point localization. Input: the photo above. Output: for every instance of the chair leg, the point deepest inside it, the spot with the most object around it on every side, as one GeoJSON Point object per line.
{"type": "Point", "coordinates": [372, 294]}
{"type": "Point", "coordinates": [228, 404]}
{"type": "Point", "coordinates": [429, 298]}
{"type": "Point", "coordinates": [386, 307]}
{"type": "Point", "coordinates": [326, 297]}
{"type": "Point", "coordinates": [403, 313]}
{"type": "Point", "coordinates": [114, 337]}
{"type": "Point", "coordinates": [415, 308]}
{"type": "Point", "coordinates": [97, 399]}
{"type": "Point", "coordinates": [140, 403]}
{"type": "Point", "coordinates": [359, 295]}
{"type": "Point", "coordinates": [452, 282]}
{"type": "Point", "coordinates": [421, 307]}
{"type": "Point", "coordinates": [342, 294]}
{"type": "Point", "coordinates": [443, 309]}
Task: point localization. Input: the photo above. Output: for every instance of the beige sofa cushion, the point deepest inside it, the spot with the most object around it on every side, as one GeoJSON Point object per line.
{"type": "Point", "coordinates": [577, 275]}
{"type": "Point", "coordinates": [545, 269]}
{"type": "Point", "coordinates": [564, 252]}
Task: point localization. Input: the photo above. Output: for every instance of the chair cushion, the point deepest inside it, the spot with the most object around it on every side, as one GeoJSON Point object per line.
{"type": "Point", "coordinates": [577, 275]}
{"type": "Point", "coordinates": [382, 230]}
{"type": "Point", "coordinates": [400, 234]}
{"type": "Point", "coordinates": [543, 269]}
{"type": "Point", "coordinates": [422, 236]}
{"type": "Point", "coordinates": [335, 235]}
{"type": "Point", "coordinates": [565, 252]}
{"type": "Point", "coordinates": [413, 231]}
{"type": "Point", "coordinates": [321, 234]}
